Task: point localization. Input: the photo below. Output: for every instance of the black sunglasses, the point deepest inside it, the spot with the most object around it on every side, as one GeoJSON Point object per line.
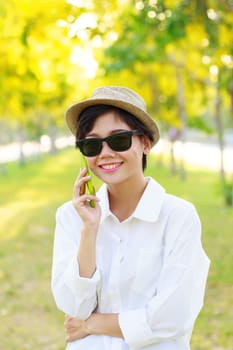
{"type": "Point", "coordinates": [119, 142]}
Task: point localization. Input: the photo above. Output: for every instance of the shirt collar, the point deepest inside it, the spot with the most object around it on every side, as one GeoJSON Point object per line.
{"type": "Point", "coordinates": [148, 207]}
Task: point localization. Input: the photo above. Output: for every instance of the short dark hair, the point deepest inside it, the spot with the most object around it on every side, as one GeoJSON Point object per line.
{"type": "Point", "coordinates": [88, 116]}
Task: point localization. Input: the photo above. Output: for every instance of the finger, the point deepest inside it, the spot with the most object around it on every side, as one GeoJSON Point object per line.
{"type": "Point", "coordinates": [71, 338]}
{"type": "Point", "coordinates": [82, 189]}
{"type": "Point", "coordinates": [80, 185]}
{"type": "Point", "coordinates": [85, 201]}
{"type": "Point", "coordinates": [69, 321]}
{"type": "Point", "coordinates": [68, 317]}
{"type": "Point", "coordinates": [70, 329]}
{"type": "Point", "coordinates": [83, 172]}
{"type": "Point", "coordinates": [91, 198]}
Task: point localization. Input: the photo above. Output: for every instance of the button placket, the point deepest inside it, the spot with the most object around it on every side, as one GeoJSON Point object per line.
{"type": "Point", "coordinates": [120, 238]}
{"type": "Point", "coordinates": [123, 242]}
{"type": "Point", "coordinates": [114, 278]}
{"type": "Point", "coordinates": [121, 251]}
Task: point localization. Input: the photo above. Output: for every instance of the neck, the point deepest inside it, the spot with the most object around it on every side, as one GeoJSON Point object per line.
{"type": "Point", "coordinates": [124, 198]}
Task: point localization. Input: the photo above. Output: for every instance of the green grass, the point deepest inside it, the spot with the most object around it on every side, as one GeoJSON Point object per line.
{"type": "Point", "coordinates": [29, 197]}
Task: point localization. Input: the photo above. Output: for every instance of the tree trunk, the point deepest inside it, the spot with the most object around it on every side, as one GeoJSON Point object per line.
{"type": "Point", "coordinates": [173, 136]}
{"type": "Point", "coordinates": [231, 183]}
{"type": "Point", "coordinates": [172, 159]}
{"type": "Point", "coordinates": [231, 96]}
{"type": "Point", "coordinates": [219, 129]}
{"type": "Point", "coordinates": [183, 118]}
{"type": "Point", "coordinates": [53, 135]}
{"type": "Point", "coordinates": [151, 78]}
{"type": "Point", "coordinates": [227, 187]}
{"type": "Point", "coordinates": [20, 139]}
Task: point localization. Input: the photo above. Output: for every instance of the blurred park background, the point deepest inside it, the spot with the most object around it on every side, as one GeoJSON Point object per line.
{"type": "Point", "coordinates": [179, 56]}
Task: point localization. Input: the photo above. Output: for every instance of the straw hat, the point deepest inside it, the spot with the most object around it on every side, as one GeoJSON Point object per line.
{"type": "Point", "coordinates": [116, 96]}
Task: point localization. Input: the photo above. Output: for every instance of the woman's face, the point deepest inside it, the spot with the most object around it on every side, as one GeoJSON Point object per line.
{"type": "Point", "coordinates": [117, 167]}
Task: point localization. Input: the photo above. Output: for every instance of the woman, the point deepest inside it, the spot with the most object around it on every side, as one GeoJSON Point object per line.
{"type": "Point", "coordinates": [129, 273]}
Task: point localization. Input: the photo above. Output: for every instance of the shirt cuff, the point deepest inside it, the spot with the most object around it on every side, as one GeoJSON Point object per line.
{"type": "Point", "coordinates": [82, 287]}
{"type": "Point", "coordinates": [135, 328]}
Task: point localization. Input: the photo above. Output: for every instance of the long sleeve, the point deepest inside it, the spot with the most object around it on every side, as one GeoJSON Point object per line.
{"type": "Point", "coordinates": [172, 311]}
{"type": "Point", "coordinates": [73, 294]}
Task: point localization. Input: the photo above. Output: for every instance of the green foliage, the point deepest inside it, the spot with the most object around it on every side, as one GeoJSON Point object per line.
{"type": "Point", "coordinates": [200, 123]}
{"type": "Point", "coordinates": [33, 61]}
{"type": "Point", "coordinates": [29, 197]}
{"type": "Point", "coordinates": [177, 54]}
{"type": "Point", "coordinates": [50, 54]}
{"type": "Point", "coordinates": [184, 35]}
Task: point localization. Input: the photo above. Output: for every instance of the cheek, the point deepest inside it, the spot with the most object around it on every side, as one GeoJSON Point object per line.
{"type": "Point", "coordinates": [91, 162]}
{"type": "Point", "coordinates": [138, 148]}
{"type": "Point", "coordinates": [136, 155]}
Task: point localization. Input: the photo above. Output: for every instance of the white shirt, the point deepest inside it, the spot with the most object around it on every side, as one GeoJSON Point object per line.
{"type": "Point", "coordinates": [151, 269]}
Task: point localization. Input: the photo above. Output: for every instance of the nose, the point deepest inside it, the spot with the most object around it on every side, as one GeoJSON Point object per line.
{"type": "Point", "coordinates": [106, 149]}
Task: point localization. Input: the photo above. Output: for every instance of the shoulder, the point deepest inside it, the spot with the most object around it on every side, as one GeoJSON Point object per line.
{"type": "Point", "coordinates": [176, 204]}
{"type": "Point", "coordinates": [181, 218]}
{"type": "Point", "coordinates": [179, 213]}
{"type": "Point", "coordinates": [169, 203]}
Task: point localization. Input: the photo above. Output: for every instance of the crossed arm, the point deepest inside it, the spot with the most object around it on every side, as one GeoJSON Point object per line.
{"type": "Point", "coordinates": [99, 324]}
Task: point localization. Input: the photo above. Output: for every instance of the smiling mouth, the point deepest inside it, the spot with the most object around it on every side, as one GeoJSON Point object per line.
{"type": "Point", "coordinates": [111, 166]}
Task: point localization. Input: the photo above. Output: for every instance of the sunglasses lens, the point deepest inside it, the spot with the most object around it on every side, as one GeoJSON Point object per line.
{"type": "Point", "coordinates": [120, 142]}
{"type": "Point", "coordinates": [90, 148]}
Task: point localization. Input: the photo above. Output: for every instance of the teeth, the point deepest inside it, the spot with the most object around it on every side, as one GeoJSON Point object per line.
{"type": "Point", "coordinates": [109, 166]}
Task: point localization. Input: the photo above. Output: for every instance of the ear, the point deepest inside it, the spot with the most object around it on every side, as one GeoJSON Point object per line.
{"type": "Point", "coordinates": [146, 145]}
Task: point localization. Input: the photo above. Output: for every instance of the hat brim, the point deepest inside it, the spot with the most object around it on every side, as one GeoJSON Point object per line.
{"type": "Point", "coordinates": [73, 112]}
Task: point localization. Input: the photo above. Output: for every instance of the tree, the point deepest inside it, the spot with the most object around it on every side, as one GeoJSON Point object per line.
{"type": "Point", "coordinates": [34, 62]}
{"type": "Point", "coordinates": [182, 42]}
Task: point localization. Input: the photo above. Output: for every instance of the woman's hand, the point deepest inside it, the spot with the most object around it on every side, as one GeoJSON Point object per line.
{"type": "Point", "coordinates": [81, 201]}
{"type": "Point", "coordinates": [99, 324]}
{"type": "Point", "coordinates": [75, 329]}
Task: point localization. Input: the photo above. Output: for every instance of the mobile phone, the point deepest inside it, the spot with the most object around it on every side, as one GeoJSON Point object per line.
{"type": "Point", "coordinates": [89, 184]}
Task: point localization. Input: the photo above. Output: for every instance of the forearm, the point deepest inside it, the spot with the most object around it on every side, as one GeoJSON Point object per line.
{"type": "Point", "coordinates": [104, 324]}
{"type": "Point", "coordinates": [96, 324]}
{"type": "Point", "coordinates": [86, 255]}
